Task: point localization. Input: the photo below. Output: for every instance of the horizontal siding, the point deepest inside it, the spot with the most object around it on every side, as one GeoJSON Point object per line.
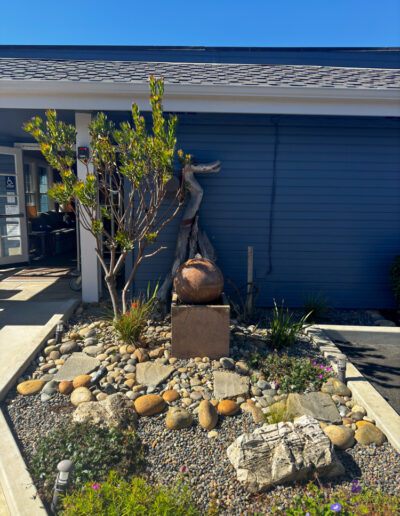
{"type": "Point", "coordinates": [336, 217]}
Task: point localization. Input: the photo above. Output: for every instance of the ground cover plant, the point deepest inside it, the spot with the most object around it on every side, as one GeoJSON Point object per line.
{"type": "Point", "coordinates": [353, 501]}
{"type": "Point", "coordinates": [284, 329]}
{"type": "Point", "coordinates": [115, 496]}
{"type": "Point", "coordinates": [93, 450]}
{"type": "Point", "coordinates": [291, 374]}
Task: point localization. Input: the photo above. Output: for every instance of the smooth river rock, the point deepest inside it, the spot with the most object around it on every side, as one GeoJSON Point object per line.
{"type": "Point", "coordinates": [30, 387]}
{"type": "Point", "coordinates": [149, 404]}
{"type": "Point", "coordinates": [208, 416]}
{"type": "Point", "coordinates": [340, 436]}
{"type": "Point", "coordinates": [81, 395]}
{"type": "Point", "coordinates": [283, 452]}
{"type": "Point", "coordinates": [178, 418]}
{"type": "Point", "coordinates": [367, 433]}
{"type": "Point", "coordinates": [335, 386]}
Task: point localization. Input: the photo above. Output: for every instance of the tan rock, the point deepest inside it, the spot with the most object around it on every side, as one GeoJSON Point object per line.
{"type": "Point", "coordinates": [214, 402]}
{"type": "Point", "coordinates": [81, 395]}
{"type": "Point", "coordinates": [141, 354]}
{"type": "Point", "coordinates": [178, 418]}
{"type": "Point", "coordinates": [73, 335]}
{"type": "Point", "coordinates": [65, 387]}
{"type": "Point", "coordinates": [258, 414]}
{"type": "Point", "coordinates": [335, 386]}
{"type": "Point", "coordinates": [171, 395]}
{"type": "Point", "coordinates": [149, 404]}
{"type": "Point", "coordinates": [130, 382]}
{"type": "Point", "coordinates": [228, 407]}
{"type": "Point", "coordinates": [358, 408]}
{"type": "Point", "coordinates": [208, 416]}
{"type": "Point", "coordinates": [83, 380]}
{"type": "Point", "coordinates": [156, 353]}
{"type": "Point", "coordinates": [340, 436]}
{"type": "Point", "coordinates": [30, 387]}
{"type": "Point", "coordinates": [368, 434]}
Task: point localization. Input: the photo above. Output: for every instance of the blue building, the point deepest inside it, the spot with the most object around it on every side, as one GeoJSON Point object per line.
{"type": "Point", "coordinates": [309, 140]}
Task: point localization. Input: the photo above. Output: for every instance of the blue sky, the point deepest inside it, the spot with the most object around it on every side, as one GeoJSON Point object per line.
{"type": "Point", "coordinates": [202, 22]}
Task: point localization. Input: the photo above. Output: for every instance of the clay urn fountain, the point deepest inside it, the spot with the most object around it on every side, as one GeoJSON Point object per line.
{"type": "Point", "coordinates": [198, 281]}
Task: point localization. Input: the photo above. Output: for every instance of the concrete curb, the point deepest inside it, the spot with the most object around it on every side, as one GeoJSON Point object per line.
{"type": "Point", "coordinates": [386, 418]}
{"type": "Point", "coordinates": [19, 490]}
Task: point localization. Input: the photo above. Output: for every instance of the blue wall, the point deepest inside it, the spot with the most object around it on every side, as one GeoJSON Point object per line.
{"type": "Point", "coordinates": [336, 213]}
{"type": "Point", "coordinates": [358, 57]}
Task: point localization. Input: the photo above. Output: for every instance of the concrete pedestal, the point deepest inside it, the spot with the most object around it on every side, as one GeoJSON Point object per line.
{"type": "Point", "coordinates": [200, 330]}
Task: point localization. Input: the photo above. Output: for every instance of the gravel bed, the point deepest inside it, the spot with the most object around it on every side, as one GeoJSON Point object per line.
{"type": "Point", "coordinates": [204, 460]}
{"type": "Point", "coordinates": [332, 316]}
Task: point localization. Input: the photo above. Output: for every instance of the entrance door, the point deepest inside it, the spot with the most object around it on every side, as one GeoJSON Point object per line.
{"type": "Point", "coordinates": [13, 231]}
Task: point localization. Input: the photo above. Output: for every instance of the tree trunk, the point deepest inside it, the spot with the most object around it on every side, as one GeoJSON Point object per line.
{"type": "Point", "coordinates": [111, 285]}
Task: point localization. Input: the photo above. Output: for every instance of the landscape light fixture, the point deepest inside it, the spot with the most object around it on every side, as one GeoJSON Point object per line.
{"type": "Point", "coordinates": [59, 332]}
{"type": "Point", "coordinates": [341, 367]}
{"type": "Point", "coordinates": [60, 487]}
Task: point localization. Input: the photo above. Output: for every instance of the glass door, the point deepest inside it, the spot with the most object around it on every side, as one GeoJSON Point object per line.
{"type": "Point", "coordinates": [13, 231]}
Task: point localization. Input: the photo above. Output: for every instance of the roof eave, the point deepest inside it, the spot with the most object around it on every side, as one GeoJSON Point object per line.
{"type": "Point", "coordinates": [119, 96]}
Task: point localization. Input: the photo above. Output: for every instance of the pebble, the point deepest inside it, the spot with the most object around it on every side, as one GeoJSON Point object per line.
{"type": "Point", "coordinates": [228, 408]}
{"type": "Point", "coordinates": [30, 387]}
{"type": "Point", "coordinates": [178, 418]}
{"type": "Point", "coordinates": [81, 395]}
{"type": "Point", "coordinates": [149, 404]}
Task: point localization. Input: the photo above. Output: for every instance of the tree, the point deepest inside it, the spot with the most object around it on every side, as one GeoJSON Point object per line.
{"type": "Point", "coordinates": [121, 203]}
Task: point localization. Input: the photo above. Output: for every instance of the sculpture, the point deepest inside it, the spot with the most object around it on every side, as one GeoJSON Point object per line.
{"type": "Point", "coordinates": [198, 280]}
{"type": "Point", "coordinates": [191, 239]}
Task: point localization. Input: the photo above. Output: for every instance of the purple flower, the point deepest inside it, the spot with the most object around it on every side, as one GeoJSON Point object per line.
{"type": "Point", "coordinates": [355, 487]}
{"type": "Point", "coordinates": [335, 507]}
{"type": "Point", "coordinates": [321, 366]}
{"type": "Point", "coordinates": [314, 363]}
{"type": "Point", "coordinates": [328, 368]}
{"type": "Point", "coordinates": [275, 383]}
{"type": "Point", "coordinates": [320, 376]}
{"type": "Point", "coordinates": [96, 487]}
{"type": "Point", "coordinates": [183, 469]}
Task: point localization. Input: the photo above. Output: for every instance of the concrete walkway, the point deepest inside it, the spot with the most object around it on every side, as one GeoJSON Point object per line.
{"type": "Point", "coordinates": [29, 312]}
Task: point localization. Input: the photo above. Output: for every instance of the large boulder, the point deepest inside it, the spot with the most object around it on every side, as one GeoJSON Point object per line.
{"type": "Point", "coordinates": [283, 452]}
{"type": "Point", "coordinates": [198, 281]}
{"type": "Point", "coordinates": [115, 410]}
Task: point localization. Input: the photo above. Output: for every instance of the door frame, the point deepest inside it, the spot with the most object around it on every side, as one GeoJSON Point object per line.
{"type": "Point", "coordinates": [19, 174]}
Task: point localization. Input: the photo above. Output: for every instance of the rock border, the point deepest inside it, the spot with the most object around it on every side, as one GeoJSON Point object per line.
{"type": "Point", "coordinates": [19, 490]}
{"type": "Point", "coordinates": [386, 418]}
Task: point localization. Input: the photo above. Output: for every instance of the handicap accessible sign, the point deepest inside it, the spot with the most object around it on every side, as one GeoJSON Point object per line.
{"type": "Point", "coordinates": [11, 183]}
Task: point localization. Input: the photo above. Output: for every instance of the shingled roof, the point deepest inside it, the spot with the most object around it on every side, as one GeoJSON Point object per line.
{"type": "Point", "coordinates": [210, 74]}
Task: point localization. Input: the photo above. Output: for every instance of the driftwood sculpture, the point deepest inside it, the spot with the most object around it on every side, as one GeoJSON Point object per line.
{"type": "Point", "coordinates": [191, 239]}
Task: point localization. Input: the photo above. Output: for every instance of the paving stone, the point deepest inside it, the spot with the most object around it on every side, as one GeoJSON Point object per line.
{"type": "Point", "coordinates": [77, 364]}
{"type": "Point", "coordinates": [152, 374]}
{"type": "Point", "coordinates": [228, 385]}
{"type": "Point", "coordinates": [315, 404]}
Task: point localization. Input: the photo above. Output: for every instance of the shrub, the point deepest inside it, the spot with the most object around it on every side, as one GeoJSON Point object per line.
{"type": "Point", "coordinates": [116, 496]}
{"type": "Point", "coordinates": [130, 325]}
{"type": "Point", "coordinates": [344, 501]}
{"type": "Point", "coordinates": [291, 374]}
{"type": "Point", "coordinates": [284, 329]}
{"type": "Point", "coordinates": [92, 449]}
{"type": "Point", "coordinates": [395, 278]}
{"type": "Point", "coordinates": [316, 305]}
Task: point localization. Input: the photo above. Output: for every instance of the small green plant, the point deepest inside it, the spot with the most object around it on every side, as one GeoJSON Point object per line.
{"type": "Point", "coordinates": [395, 279]}
{"type": "Point", "coordinates": [352, 501]}
{"type": "Point", "coordinates": [278, 413]}
{"type": "Point", "coordinates": [316, 305]}
{"type": "Point", "coordinates": [116, 496]}
{"type": "Point", "coordinates": [284, 329]}
{"type": "Point", "coordinates": [129, 326]}
{"type": "Point", "coordinates": [291, 374]}
{"type": "Point", "coordinates": [93, 450]}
